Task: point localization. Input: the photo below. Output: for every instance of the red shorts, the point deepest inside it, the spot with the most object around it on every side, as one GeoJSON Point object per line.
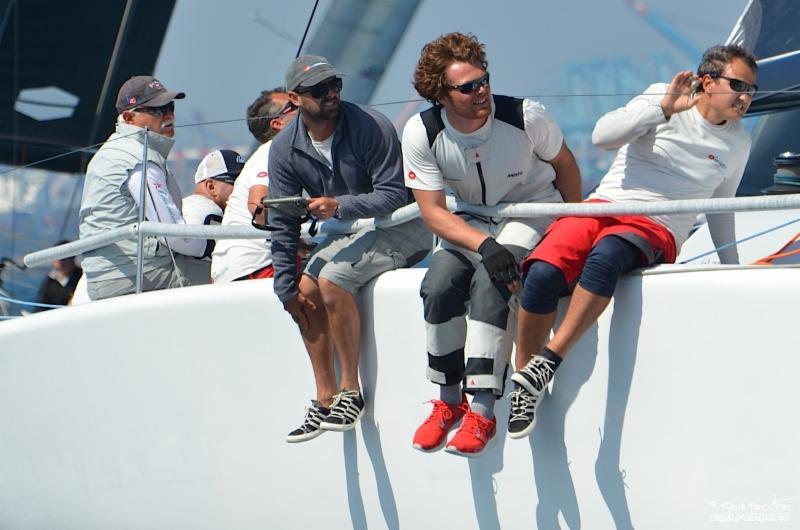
{"type": "Point", "coordinates": [260, 274]}
{"type": "Point", "coordinates": [569, 240]}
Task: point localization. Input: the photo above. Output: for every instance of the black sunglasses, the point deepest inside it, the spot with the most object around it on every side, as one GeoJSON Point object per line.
{"type": "Point", "coordinates": [169, 108]}
{"type": "Point", "coordinates": [321, 89]}
{"type": "Point", "coordinates": [230, 179]}
{"type": "Point", "coordinates": [472, 86]}
{"type": "Point", "coordinates": [737, 85]}
{"type": "Point", "coordinates": [289, 107]}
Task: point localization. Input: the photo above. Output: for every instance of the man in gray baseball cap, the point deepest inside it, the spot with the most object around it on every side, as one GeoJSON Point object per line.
{"type": "Point", "coordinates": [346, 159]}
{"type": "Point", "coordinates": [308, 70]}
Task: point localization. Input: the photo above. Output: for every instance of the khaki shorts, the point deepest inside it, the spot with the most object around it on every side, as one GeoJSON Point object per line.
{"type": "Point", "coordinates": [352, 260]}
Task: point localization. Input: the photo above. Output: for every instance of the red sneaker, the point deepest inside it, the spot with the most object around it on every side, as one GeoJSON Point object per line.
{"type": "Point", "coordinates": [432, 434]}
{"type": "Point", "coordinates": [471, 439]}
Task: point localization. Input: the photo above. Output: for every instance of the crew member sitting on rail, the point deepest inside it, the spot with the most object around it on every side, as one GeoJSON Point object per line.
{"type": "Point", "coordinates": [347, 159]}
{"type": "Point", "coordinates": [486, 150]}
{"type": "Point", "coordinates": [682, 140]}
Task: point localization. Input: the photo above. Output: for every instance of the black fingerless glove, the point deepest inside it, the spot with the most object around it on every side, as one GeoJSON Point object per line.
{"type": "Point", "coordinates": [499, 262]}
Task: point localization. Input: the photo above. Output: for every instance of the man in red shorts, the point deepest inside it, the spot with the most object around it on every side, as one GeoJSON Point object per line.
{"type": "Point", "coordinates": [678, 141]}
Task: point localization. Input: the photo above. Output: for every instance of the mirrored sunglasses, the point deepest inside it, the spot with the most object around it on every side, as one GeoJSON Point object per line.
{"type": "Point", "coordinates": [472, 86]}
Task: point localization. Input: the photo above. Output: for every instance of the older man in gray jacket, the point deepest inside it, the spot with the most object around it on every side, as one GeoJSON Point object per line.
{"type": "Point", "coordinates": [112, 189]}
{"type": "Point", "coordinates": [347, 159]}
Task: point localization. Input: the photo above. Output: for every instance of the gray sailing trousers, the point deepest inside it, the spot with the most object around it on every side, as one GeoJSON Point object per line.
{"type": "Point", "coordinates": [457, 289]}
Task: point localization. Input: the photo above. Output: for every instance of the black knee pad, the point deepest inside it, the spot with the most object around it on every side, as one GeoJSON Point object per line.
{"type": "Point", "coordinates": [544, 283]}
{"type": "Point", "coordinates": [611, 258]}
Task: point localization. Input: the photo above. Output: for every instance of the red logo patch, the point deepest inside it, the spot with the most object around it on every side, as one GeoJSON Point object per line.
{"type": "Point", "coordinates": [412, 175]}
{"type": "Point", "coordinates": [262, 175]}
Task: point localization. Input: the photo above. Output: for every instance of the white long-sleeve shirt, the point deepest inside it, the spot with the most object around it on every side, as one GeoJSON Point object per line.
{"type": "Point", "coordinates": [685, 157]}
{"type": "Point", "coordinates": [161, 208]}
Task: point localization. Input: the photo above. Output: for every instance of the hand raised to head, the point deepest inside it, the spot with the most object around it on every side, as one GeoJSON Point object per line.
{"type": "Point", "coordinates": [680, 94]}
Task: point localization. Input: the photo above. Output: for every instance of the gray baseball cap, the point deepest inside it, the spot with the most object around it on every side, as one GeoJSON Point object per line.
{"type": "Point", "coordinates": [144, 90]}
{"type": "Point", "coordinates": [308, 70]}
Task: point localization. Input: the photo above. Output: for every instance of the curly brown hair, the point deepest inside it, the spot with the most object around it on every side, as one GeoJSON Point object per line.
{"type": "Point", "coordinates": [437, 55]}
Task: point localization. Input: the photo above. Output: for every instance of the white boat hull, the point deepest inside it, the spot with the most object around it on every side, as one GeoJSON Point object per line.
{"type": "Point", "coordinates": [170, 409]}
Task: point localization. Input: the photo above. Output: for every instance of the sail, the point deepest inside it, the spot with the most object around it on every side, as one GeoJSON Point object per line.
{"type": "Point", "coordinates": [61, 64]}
{"type": "Point", "coordinates": [359, 37]}
{"type": "Point", "coordinates": [768, 29]}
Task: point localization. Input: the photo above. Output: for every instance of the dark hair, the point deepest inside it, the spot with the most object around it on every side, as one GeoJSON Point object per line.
{"type": "Point", "coordinates": [436, 56]}
{"type": "Point", "coordinates": [716, 57]}
{"type": "Point", "coordinates": [261, 112]}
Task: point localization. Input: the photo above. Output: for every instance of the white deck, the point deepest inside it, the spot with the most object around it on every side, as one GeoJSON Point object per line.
{"type": "Point", "coordinates": [169, 410]}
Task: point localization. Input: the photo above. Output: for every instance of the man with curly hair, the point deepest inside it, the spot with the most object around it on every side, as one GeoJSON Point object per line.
{"type": "Point", "coordinates": [485, 150]}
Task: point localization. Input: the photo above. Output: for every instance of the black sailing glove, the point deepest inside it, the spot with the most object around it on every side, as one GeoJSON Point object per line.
{"type": "Point", "coordinates": [499, 262]}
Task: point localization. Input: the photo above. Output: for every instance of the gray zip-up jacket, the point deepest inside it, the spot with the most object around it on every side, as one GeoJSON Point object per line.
{"type": "Point", "coordinates": [367, 179]}
{"type": "Point", "coordinates": [107, 203]}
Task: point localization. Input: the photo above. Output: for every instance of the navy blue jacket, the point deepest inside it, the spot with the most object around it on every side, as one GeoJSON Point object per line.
{"type": "Point", "coordinates": [367, 179]}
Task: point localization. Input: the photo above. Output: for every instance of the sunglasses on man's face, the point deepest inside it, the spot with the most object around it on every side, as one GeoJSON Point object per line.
{"type": "Point", "coordinates": [737, 85]}
{"type": "Point", "coordinates": [229, 179]}
{"type": "Point", "coordinates": [288, 108]}
{"type": "Point", "coordinates": [169, 108]}
{"type": "Point", "coordinates": [472, 86]}
{"type": "Point", "coordinates": [321, 89]}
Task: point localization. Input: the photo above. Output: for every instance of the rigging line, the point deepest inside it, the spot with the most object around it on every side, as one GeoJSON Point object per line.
{"type": "Point", "coordinates": [74, 151]}
{"type": "Point", "coordinates": [15, 126]}
{"type": "Point", "coordinates": [386, 103]}
{"type": "Point", "coordinates": [23, 302]}
{"type": "Point", "coordinates": [305, 33]}
{"type": "Point", "coordinates": [736, 242]}
{"type": "Point", "coordinates": [68, 210]}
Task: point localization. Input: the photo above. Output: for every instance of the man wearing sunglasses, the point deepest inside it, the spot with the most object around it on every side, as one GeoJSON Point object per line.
{"type": "Point", "coordinates": [485, 150]}
{"type": "Point", "coordinates": [346, 159]}
{"type": "Point", "coordinates": [112, 189]}
{"type": "Point", "coordinates": [681, 140]}
{"type": "Point", "coordinates": [214, 180]}
{"type": "Point", "coordinates": [250, 259]}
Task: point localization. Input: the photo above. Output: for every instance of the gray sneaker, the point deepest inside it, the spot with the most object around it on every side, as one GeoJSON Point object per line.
{"type": "Point", "coordinates": [311, 424]}
{"type": "Point", "coordinates": [347, 409]}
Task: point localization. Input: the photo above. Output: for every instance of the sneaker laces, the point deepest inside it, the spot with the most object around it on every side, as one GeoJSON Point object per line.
{"type": "Point", "coordinates": [540, 370]}
{"type": "Point", "coordinates": [313, 415]}
{"type": "Point", "coordinates": [441, 413]}
{"type": "Point", "coordinates": [343, 401]}
{"type": "Point", "coordinates": [476, 424]}
{"type": "Point", "coordinates": [523, 405]}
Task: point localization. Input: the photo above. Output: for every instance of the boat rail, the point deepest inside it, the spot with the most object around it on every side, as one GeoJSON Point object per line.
{"type": "Point", "coordinates": [411, 211]}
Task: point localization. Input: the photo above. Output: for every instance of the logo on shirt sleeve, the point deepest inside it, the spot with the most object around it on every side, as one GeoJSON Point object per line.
{"type": "Point", "coordinates": [412, 175]}
{"type": "Point", "coordinates": [262, 175]}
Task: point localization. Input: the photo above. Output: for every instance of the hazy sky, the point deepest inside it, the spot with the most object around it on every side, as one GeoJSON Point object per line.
{"type": "Point", "coordinates": [222, 58]}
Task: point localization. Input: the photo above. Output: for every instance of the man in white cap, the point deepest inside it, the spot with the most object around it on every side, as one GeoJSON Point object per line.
{"type": "Point", "coordinates": [112, 189]}
{"type": "Point", "coordinates": [214, 180]}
